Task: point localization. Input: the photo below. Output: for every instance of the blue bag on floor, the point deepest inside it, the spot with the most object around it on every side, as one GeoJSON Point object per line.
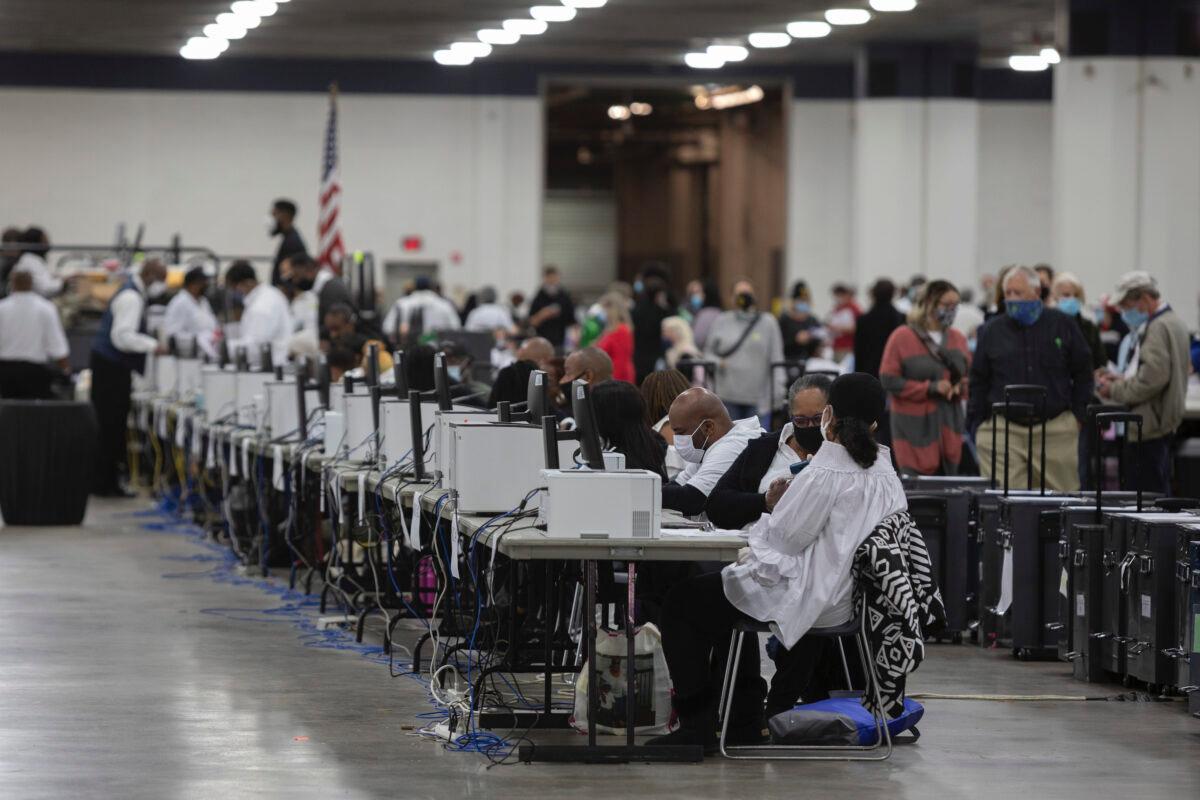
{"type": "Point", "coordinates": [839, 721]}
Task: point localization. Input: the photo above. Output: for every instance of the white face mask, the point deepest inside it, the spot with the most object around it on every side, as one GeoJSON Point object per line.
{"type": "Point", "coordinates": [687, 448]}
{"type": "Point", "coordinates": [156, 289]}
{"type": "Point", "coordinates": [827, 423]}
{"type": "Point", "coordinates": [271, 225]}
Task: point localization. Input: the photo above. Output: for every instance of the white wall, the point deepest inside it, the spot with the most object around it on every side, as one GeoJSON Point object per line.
{"type": "Point", "coordinates": [465, 173]}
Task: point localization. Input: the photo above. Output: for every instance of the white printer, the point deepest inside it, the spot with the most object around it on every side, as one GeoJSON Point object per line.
{"type": "Point", "coordinates": [492, 466]}
{"type": "Point", "coordinates": [609, 504]}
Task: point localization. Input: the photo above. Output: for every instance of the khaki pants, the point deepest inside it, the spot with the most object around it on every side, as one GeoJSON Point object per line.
{"type": "Point", "coordinates": [1062, 454]}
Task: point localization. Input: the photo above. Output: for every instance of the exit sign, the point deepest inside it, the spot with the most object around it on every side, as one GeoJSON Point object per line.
{"type": "Point", "coordinates": [412, 244]}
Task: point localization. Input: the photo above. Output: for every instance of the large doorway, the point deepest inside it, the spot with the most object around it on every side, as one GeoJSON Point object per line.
{"type": "Point", "coordinates": [691, 178]}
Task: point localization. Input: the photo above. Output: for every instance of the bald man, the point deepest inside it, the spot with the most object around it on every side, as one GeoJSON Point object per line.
{"type": "Point", "coordinates": [538, 350]}
{"type": "Point", "coordinates": [709, 441]}
{"type": "Point", "coordinates": [590, 364]}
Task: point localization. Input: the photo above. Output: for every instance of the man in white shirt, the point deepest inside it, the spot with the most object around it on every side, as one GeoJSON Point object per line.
{"type": "Point", "coordinates": [436, 312]}
{"type": "Point", "coordinates": [120, 348]}
{"type": "Point", "coordinates": [189, 316]}
{"type": "Point", "coordinates": [36, 244]}
{"type": "Point", "coordinates": [31, 335]}
{"type": "Point", "coordinates": [709, 441]}
{"type": "Point", "coordinates": [266, 318]}
{"type": "Point", "coordinates": [488, 316]}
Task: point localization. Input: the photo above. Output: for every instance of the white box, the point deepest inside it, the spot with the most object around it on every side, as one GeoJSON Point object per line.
{"type": "Point", "coordinates": [165, 375]}
{"type": "Point", "coordinates": [220, 393]}
{"type": "Point", "coordinates": [439, 441]}
{"type": "Point", "coordinates": [249, 386]}
{"type": "Point", "coordinates": [283, 413]}
{"type": "Point", "coordinates": [395, 425]}
{"type": "Point", "coordinates": [335, 430]}
{"type": "Point", "coordinates": [586, 504]}
{"type": "Point", "coordinates": [493, 466]}
{"type": "Point", "coordinates": [189, 376]}
{"type": "Point", "coordinates": [360, 429]}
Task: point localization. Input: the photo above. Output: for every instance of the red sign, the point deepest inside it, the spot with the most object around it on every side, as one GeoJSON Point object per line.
{"type": "Point", "coordinates": [412, 244]}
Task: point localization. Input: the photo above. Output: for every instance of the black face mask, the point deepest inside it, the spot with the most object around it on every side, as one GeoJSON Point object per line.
{"type": "Point", "coordinates": [305, 285]}
{"type": "Point", "coordinates": [1045, 293]}
{"type": "Point", "coordinates": [809, 439]}
{"type": "Point", "coordinates": [745, 301]}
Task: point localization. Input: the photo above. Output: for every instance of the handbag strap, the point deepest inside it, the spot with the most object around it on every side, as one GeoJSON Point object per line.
{"type": "Point", "coordinates": [934, 350]}
{"type": "Point", "coordinates": [741, 339]}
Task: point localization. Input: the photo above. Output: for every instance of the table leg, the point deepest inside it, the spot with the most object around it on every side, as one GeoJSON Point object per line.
{"type": "Point", "coordinates": [631, 665]}
{"type": "Point", "coordinates": [590, 610]}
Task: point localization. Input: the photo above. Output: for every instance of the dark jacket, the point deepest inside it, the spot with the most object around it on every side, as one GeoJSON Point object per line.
{"type": "Point", "coordinates": [871, 336]}
{"type": "Point", "coordinates": [736, 501]}
{"type": "Point", "coordinates": [1050, 353]}
{"type": "Point", "coordinates": [334, 291]}
{"type": "Point", "coordinates": [1091, 335]}
{"type": "Point", "coordinates": [789, 327]}
{"type": "Point", "coordinates": [289, 246]}
{"type": "Point", "coordinates": [555, 328]}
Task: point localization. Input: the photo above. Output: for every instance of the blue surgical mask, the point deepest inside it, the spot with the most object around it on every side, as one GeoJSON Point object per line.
{"type": "Point", "coordinates": [1134, 318]}
{"type": "Point", "coordinates": [696, 301]}
{"type": "Point", "coordinates": [1070, 306]}
{"type": "Point", "coordinates": [454, 372]}
{"type": "Point", "coordinates": [802, 307]}
{"type": "Point", "coordinates": [638, 286]}
{"type": "Point", "coordinates": [1024, 312]}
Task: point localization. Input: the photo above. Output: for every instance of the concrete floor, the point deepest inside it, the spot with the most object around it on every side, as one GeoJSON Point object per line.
{"type": "Point", "coordinates": [117, 681]}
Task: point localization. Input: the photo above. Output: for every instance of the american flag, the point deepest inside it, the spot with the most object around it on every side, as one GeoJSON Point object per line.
{"type": "Point", "coordinates": [331, 250]}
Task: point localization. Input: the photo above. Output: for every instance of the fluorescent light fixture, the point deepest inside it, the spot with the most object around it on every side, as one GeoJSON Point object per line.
{"type": "Point", "coordinates": [453, 58]}
{"type": "Point", "coordinates": [203, 48]}
{"type": "Point", "coordinates": [472, 49]}
{"type": "Point", "coordinates": [619, 113]}
{"type": "Point", "coordinates": [197, 54]}
{"type": "Point", "coordinates": [552, 13]}
{"type": "Point", "coordinates": [847, 16]}
{"type": "Point", "coordinates": [641, 109]}
{"type": "Point", "coordinates": [1050, 55]}
{"type": "Point", "coordinates": [893, 5]}
{"type": "Point", "coordinates": [729, 97]}
{"type": "Point", "coordinates": [585, 3]}
{"type": "Point", "coordinates": [728, 52]}
{"type": "Point", "coordinates": [769, 41]}
{"type": "Point", "coordinates": [812, 29]}
{"type": "Point", "coordinates": [498, 36]}
{"type": "Point", "coordinates": [703, 61]}
{"type": "Point", "coordinates": [217, 30]}
{"type": "Point", "coordinates": [1028, 63]}
{"type": "Point", "coordinates": [525, 27]}
{"type": "Point", "coordinates": [230, 21]}
{"type": "Point", "coordinates": [265, 8]}
{"type": "Point", "coordinates": [246, 14]}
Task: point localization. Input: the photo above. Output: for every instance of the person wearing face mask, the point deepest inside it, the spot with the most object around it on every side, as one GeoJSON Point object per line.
{"type": "Point", "coordinates": [1031, 344]}
{"type": "Point", "coordinates": [744, 343]}
{"type": "Point", "coordinates": [266, 317]}
{"type": "Point", "coordinates": [709, 441]}
{"type": "Point", "coordinates": [118, 350]}
{"type": "Point", "coordinates": [704, 307]}
{"type": "Point", "coordinates": [1068, 296]}
{"type": "Point", "coordinates": [802, 333]}
{"type": "Point", "coordinates": [552, 311]}
{"type": "Point", "coordinates": [323, 285]}
{"type": "Point", "coordinates": [924, 369]}
{"type": "Point", "coordinates": [189, 316]}
{"type": "Point", "coordinates": [795, 574]}
{"type": "Point", "coordinates": [1154, 383]}
{"type": "Point", "coordinates": [652, 303]}
{"type": "Point", "coordinates": [757, 479]}
{"type": "Point", "coordinates": [875, 327]}
{"type": "Point", "coordinates": [843, 320]}
{"type": "Point", "coordinates": [282, 222]}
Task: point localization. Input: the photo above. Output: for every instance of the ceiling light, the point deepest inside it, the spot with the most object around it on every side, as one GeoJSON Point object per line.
{"type": "Point", "coordinates": [472, 49]}
{"type": "Point", "coordinates": [229, 20]}
{"type": "Point", "coordinates": [641, 109]}
{"type": "Point", "coordinates": [265, 8]}
{"type": "Point", "coordinates": [729, 97]}
{"type": "Point", "coordinates": [728, 52]}
{"type": "Point", "coordinates": [1028, 63]}
{"type": "Point", "coordinates": [618, 113]}
{"type": "Point", "coordinates": [245, 14]}
{"type": "Point", "coordinates": [201, 48]}
{"type": "Point", "coordinates": [525, 27]}
{"type": "Point", "coordinates": [217, 30]}
{"type": "Point", "coordinates": [766, 41]}
{"type": "Point", "coordinates": [585, 3]}
{"type": "Point", "coordinates": [847, 16]}
{"type": "Point", "coordinates": [552, 13]}
{"type": "Point", "coordinates": [498, 36]}
{"type": "Point", "coordinates": [893, 5]}
{"type": "Point", "coordinates": [809, 29]}
{"type": "Point", "coordinates": [197, 54]}
{"type": "Point", "coordinates": [452, 58]}
{"type": "Point", "coordinates": [703, 61]}
{"type": "Point", "coordinates": [1050, 55]}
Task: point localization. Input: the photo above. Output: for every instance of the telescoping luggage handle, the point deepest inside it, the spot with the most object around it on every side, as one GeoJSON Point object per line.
{"type": "Point", "coordinates": [1105, 418]}
{"type": "Point", "coordinates": [1004, 408]}
{"type": "Point", "coordinates": [1008, 406]}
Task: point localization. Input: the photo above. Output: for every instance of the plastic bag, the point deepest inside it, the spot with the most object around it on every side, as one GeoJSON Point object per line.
{"type": "Point", "coordinates": [653, 713]}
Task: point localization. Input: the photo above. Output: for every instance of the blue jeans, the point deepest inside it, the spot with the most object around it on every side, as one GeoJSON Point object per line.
{"type": "Point", "coordinates": [743, 410]}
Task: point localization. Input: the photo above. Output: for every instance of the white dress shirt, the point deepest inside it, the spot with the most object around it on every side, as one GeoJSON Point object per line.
{"type": "Point", "coordinates": [30, 329]}
{"type": "Point", "coordinates": [127, 310]}
{"type": "Point", "coordinates": [488, 317]}
{"type": "Point", "coordinates": [265, 320]}
{"type": "Point", "coordinates": [797, 573]}
{"type": "Point", "coordinates": [438, 313]}
{"type": "Point", "coordinates": [781, 464]}
{"type": "Point", "coordinates": [719, 456]}
{"type": "Point", "coordinates": [44, 283]}
{"type": "Point", "coordinates": [190, 318]}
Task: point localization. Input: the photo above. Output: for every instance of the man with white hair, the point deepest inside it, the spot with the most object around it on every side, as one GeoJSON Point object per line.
{"type": "Point", "coordinates": [1031, 344]}
{"type": "Point", "coordinates": [1154, 383]}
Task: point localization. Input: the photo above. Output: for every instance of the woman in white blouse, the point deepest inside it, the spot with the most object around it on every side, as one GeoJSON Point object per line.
{"type": "Point", "coordinates": [795, 574]}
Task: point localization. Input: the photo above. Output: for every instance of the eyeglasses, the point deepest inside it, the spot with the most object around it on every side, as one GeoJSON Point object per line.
{"type": "Point", "coordinates": [806, 422]}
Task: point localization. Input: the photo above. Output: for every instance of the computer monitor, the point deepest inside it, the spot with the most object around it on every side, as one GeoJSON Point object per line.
{"type": "Point", "coordinates": [537, 400]}
{"type": "Point", "coordinates": [399, 376]}
{"type": "Point", "coordinates": [323, 381]}
{"type": "Point", "coordinates": [441, 382]}
{"type": "Point", "coordinates": [585, 425]}
{"type": "Point", "coordinates": [265, 358]}
{"type": "Point", "coordinates": [372, 370]}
